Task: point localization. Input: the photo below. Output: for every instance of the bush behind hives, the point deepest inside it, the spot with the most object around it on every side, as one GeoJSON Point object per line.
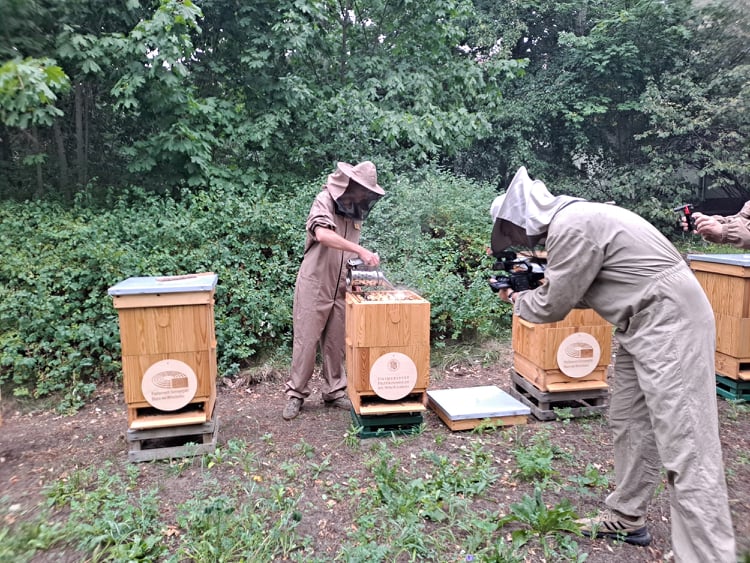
{"type": "Point", "coordinates": [58, 329]}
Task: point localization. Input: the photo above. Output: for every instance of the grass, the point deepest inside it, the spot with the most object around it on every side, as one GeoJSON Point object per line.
{"type": "Point", "coordinates": [405, 501]}
{"type": "Point", "coordinates": [404, 506]}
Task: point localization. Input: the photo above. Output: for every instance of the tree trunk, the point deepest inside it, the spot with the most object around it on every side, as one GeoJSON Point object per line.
{"type": "Point", "coordinates": [80, 141]}
{"type": "Point", "coordinates": [39, 176]}
{"type": "Point", "coordinates": [61, 159]}
{"type": "Point", "coordinates": [5, 158]}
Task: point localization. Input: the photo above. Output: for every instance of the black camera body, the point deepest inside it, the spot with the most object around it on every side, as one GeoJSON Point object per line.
{"type": "Point", "coordinates": [686, 212]}
{"type": "Point", "coordinates": [518, 274]}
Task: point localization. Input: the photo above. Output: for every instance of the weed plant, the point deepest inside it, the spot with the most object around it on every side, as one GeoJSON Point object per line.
{"type": "Point", "coordinates": [534, 459]}
{"type": "Point", "coordinates": [548, 526]}
{"type": "Point", "coordinates": [404, 505]}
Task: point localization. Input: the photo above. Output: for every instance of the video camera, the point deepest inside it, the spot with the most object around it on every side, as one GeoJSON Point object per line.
{"type": "Point", "coordinates": [519, 274]}
{"type": "Point", "coordinates": [686, 212]}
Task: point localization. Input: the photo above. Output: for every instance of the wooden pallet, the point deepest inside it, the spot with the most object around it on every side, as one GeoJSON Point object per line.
{"type": "Point", "coordinates": [384, 425]}
{"type": "Point", "coordinates": [554, 380]}
{"type": "Point", "coordinates": [581, 403]}
{"type": "Point", "coordinates": [732, 389]}
{"type": "Point", "coordinates": [171, 442]}
{"type": "Point", "coordinates": [731, 367]}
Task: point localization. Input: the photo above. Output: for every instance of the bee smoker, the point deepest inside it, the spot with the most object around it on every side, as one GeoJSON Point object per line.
{"type": "Point", "coordinates": [360, 276]}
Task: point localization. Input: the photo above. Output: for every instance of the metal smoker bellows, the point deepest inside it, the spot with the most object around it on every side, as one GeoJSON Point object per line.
{"type": "Point", "coordinates": [360, 277]}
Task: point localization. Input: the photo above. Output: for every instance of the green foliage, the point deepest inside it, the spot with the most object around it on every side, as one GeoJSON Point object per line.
{"type": "Point", "coordinates": [235, 505]}
{"type": "Point", "coordinates": [591, 478]}
{"type": "Point", "coordinates": [105, 520]}
{"type": "Point", "coordinates": [29, 89]}
{"type": "Point", "coordinates": [545, 524]}
{"type": "Point", "coordinates": [431, 231]}
{"type": "Point", "coordinates": [58, 328]}
{"type": "Point", "coordinates": [638, 103]}
{"type": "Point", "coordinates": [393, 520]}
{"type": "Point", "coordinates": [534, 459]}
{"type": "Point", "coordinates": [225, 529]}
{"type": "Point", "coordinates": [21, 543]}
{"type": "Point", "coordinates": [699, 129]}
{"type": "Point", "coordinates": [642, 103]}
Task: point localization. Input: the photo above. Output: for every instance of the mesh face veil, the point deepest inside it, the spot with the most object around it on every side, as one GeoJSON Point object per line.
{"type": "Point", "coordinates": [356, 202]}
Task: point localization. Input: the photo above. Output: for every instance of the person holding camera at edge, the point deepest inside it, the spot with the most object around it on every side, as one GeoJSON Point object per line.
{"type": "Point", "coordinates": [663, 408]}
{"type": "Point", "coordinates": [333, 228]}
{"type": "Point", "coordinates": [730, 229]}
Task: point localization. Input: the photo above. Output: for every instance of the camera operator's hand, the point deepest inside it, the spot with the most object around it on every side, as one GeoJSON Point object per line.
{"type": "Point", "coordinates": [707, 225]}
{"type": "Point", "coordinates": [506, 294]}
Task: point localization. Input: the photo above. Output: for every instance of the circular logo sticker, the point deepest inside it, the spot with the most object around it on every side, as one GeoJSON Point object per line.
{"type": "Point", "coordinates": [393, 376]}
{"type": "Point", "coordinates": [169, 385]}
{"type": "Point", "coordinates": [578, 355]}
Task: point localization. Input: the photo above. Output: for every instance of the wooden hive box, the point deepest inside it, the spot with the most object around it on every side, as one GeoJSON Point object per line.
{"type": "Point", "coordinates": [168, 349]}
{"type": "Point", "coordinates": [726, 280]}
{"type": "Point", "coordinates": [396, 324]}
{"type": "Point", "coordinates": [536, 347]}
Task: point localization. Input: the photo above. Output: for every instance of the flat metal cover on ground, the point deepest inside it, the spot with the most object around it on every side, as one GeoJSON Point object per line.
{"type": "Point", "coordinates": [466, 403]}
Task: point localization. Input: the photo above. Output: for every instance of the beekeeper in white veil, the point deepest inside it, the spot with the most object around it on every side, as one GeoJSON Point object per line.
{"type": "Point", "coordinates": [663, 393]}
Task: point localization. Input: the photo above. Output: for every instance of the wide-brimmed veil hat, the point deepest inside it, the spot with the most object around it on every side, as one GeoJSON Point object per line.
{"type": "Point", "coordinates": [363, 173]}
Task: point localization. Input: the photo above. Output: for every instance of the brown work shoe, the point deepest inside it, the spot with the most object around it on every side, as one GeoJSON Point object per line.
{"type": "Point", "coordinates": [291, 410]}
{"type": "Point", "coordinates": [610, 524]}
{"type": "Point", "coordinates": [340, 403]}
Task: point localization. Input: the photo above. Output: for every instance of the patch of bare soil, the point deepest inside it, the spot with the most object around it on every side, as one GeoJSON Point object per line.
{"type": "Point", "coordinates": [38, 448]}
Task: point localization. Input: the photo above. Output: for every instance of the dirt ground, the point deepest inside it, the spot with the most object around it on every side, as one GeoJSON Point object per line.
{"type": "Point", "coordinates": [37, 448]}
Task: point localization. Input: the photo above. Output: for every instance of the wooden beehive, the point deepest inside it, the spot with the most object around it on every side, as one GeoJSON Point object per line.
{"type": "Point", "coordinates": [535, 351]}
{"type": "Point", "coordinates": [166, 320]}
{"type": "Point", "coordinates": [726, 280]}
{"type": "Point", "coordinates": [382, 323]}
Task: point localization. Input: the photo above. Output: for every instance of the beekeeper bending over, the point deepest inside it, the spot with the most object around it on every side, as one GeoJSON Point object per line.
{"type": "Point", "coordinates": [663, 395]}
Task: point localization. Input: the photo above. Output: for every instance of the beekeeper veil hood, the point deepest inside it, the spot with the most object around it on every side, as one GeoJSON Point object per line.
{"type": "Point", "coordinates": [523, 213]}
{"type": "Point", "coordinates": [355, 189]}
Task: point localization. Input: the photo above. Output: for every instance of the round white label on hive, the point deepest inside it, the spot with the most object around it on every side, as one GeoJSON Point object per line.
{"type": "Point", "coordinates": [169, 385]}
{"type": "Point", "coordinates": [578, 355]}
{"type": "Point", "coordinates": [393, 376]}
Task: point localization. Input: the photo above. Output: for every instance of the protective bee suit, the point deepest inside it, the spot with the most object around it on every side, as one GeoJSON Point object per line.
{"type": "Point", "coordinates": [663, 410]}
{"type": "Point", "coordinates": [319, 295]}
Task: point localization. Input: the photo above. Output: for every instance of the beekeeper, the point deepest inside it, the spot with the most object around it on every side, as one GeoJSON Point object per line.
{"type": "Point", "coordinates": [663, 409]}
{"type": "Point", "coordinates": [333, 228]}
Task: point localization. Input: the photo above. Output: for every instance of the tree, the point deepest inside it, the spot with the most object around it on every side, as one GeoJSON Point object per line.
{"type": "Point", "coordinates": [621, 101]}
{"type": "Point", "coordinates": [29, 89]}
{"type": "Point", "coordinates": [699, 115]}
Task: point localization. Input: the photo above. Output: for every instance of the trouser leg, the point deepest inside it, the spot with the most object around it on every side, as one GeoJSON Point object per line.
{"type": "Point", "coordinates": [310, 318]}
{"type": "Point", "coordinates": [333, 348]}
{"type": "Point", "coordinates": [672, 346]}
{"type": "Point", "coordinates": [637, 462]}
{"type": "Point", "coordinates": [682, 395]}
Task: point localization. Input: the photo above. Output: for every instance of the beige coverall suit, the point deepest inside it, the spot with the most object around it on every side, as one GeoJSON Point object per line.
{"type": "Point", "coordinates": [663, 409]}
{"type": "Point", "coordinates": [319, 304]}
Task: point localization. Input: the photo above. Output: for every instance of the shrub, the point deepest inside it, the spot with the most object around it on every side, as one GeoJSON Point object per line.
{"type": "Point", "coordinates": [58, 328]}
